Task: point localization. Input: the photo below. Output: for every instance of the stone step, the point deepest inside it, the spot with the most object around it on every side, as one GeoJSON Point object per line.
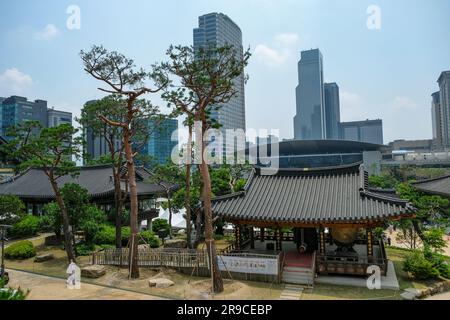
{"type": "Point", "coordinates": [297, 270]}
{"type": "Point", "coordinates": [291, 276]}
{"type": "Point", "coordinates": [291, 292]}
{"type": "Point", "coordinates": [299, 281]}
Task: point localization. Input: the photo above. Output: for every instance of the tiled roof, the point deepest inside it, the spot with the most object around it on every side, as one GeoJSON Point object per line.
{"type": "Point", "coordinates": [336, 195]}
{"type": "Point", "coordinates": [438, 186]}
{"type": "Point", "coordinates": [98, 180]}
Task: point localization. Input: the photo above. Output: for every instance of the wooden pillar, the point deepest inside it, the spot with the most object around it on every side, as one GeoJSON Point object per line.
{"type": "Point", "coordinates": [238, 236]}
{"type": "Point", "coordinates": [262, 234]}
{"type": "Point", "coordinates": [252, 238]}
{"type": "Point", "coordinates": [278, 239]}
{"type": "Point", "coordinates": [322, 241]}
{"type": "Point", "coordinates": [369, 234]}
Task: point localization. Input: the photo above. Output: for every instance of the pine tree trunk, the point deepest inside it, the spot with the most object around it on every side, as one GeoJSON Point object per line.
{"type": "Point", "coordinates": [207, 209]}
{"type": "Point", "coordinates": [187, 205]}
{"type": "Point", "coordinates": [118, 207]}
{"type": "Point", "coordinates": [66, 225]}
{"type": "Point", "coordinates": [169, 205]}
{"type": "Point", "coordinates": [134, 240]}
{"type": "Point", "coordinates": [187, 198]}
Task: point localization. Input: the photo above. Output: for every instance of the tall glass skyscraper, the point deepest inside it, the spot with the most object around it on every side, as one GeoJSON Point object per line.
{"type": "Point", "coordinates": [310, 120]}
{"type": "Point", "coordinates": [444, 104]}
{"type": "Point", "coordinates": [160, 144]}
{"type": "Point", "coordinates": [219, 30]}
{"type": "Point", "coordinates": [436, 117]}
{"type": "Point", "coordinates": [332, 110]}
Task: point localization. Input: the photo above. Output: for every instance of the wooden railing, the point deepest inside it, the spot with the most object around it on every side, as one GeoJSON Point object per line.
{"type": "Point", "coordinates": [153, 257]}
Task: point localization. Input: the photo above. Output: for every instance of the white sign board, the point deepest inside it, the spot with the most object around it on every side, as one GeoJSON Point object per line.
{"type": "Point", "coordinates": [248, 265]}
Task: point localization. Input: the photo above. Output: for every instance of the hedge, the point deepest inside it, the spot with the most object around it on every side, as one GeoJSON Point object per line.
{"type": "Point", "coordinates": [20, 250]}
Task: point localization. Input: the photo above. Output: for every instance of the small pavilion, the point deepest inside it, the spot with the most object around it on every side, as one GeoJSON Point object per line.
{"type": "Point", "coordinates": [325, 215]}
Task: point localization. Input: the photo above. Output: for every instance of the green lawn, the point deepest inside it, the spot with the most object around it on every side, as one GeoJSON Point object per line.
{"type": "Point", "coordinates": [332, 292]}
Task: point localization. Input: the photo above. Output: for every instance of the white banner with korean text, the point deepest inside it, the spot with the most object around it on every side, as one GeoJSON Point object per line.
{"type": "Point", "coordinates": [248, 265]}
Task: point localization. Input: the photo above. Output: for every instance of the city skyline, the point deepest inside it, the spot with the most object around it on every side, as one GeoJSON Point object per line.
{"type": "Point", "coordinates": [376, 79]}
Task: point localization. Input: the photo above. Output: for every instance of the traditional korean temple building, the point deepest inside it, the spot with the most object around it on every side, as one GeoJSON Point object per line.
{"type": "Point", "coordinates": [438, 186]}
{"type": "Point", "coordinates": [322, 220]}
{"type": "Point", "coordinates": [33, 187]}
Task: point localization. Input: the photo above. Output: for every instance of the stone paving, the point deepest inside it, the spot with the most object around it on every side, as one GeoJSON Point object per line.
{"type": "Point", "coordinates": [49, 288]}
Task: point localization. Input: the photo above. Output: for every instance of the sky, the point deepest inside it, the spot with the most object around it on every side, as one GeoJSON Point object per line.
{"type": "Point", "coordinates": [388, 72]}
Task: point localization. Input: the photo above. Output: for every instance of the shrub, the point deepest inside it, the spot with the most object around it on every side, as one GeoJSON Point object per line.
{"type": "Point", "coordinates": [160, 224]}
{"type": "Point", "coordinates": [84, 249]}
{"type": "Point", "coordinates": [106, 235]}
{"type": "Point", "coordinates": [218, 237]}
{"type": "Point", "coordinates": [90, 222]}
{"type": "Point", "coordinates": [148, 237]}
{"type": "Point", "coordinates": [12, 294]}
{"type": "Point", "coordinates": [20, 250]}
{"type": "Point", "coordinates": [27, 227]}
{"type": "Point", "coordinates": [421, 268]}
{"type": "Point", "coordinates": [126, 233]}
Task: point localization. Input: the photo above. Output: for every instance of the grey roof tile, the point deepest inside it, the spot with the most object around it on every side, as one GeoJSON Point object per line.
{"type": "Point", "coordinates": [296, 196]}
{"type": "Point", "coordinates": [98, 180]}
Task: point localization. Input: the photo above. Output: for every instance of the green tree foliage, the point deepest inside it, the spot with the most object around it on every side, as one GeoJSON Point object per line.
{"type": "Point", "coordinates": [83, 216]}
{"type": "Point", "coordinates": [52, 150]}
{"type": "Point", "coordinates": [12, 209]}
{"type": "Point", "coordinates": [52, 218]}
{"type": "Point", "coordinates": [168, 176]}
{"type": "Point", "coordinates": [431, 209]}
{"type": "Point", "coordinates": [382, 181]}
{"type": "Point", "coordinates": [28, 226]}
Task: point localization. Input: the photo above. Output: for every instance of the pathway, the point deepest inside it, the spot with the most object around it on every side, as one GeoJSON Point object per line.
{"type": "Point", "coordinates": [442, 296]}
{"type": "Point", "coordinates": [50, 288]}
{"type": "Point", "coordinates": [292, 292]}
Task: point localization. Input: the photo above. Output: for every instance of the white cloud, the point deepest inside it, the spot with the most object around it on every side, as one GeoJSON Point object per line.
{"type": "Point", "coordinates": [13, 81]}
{"type": "Point", "coordinates": [49, 32]}
{"type": "Point", "coordinates": [281, 49]}
{"type": "Point", "coordinates": [287, 38]}
{"type": "Point", "coordinates": [268, 55]}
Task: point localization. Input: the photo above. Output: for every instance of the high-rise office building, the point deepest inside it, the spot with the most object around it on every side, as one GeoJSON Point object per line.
{"type": "Point", "coordinates": [160, 144]}
{"type": "Point", "coordinates": [56, 117]}
{"type": "Point", "coordinates": [310, 120]}
{"type": "Point", "coordinates": [444, 105]}
{"type": "Point", "coordinates": [370, 131]}
{"type": "Point", "coordinates": [217, 29]}
{"type": "Point", "coordinates": [154, 141]}
{"type": "Point", "coordinates": [15, 110]}
{"type": "Point", "coordinates": [436, 117]}
{"type": "Point", "coordinates": [96, 145]}
{"type": "Point", "coordinates": [332, 110]}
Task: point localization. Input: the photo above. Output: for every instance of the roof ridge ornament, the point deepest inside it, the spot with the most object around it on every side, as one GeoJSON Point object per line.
{"type": "Point", "coordinates": [362, 181]}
